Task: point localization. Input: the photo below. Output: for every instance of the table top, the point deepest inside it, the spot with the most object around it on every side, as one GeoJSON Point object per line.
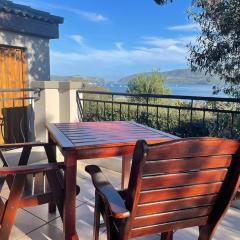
{"type": "Point", "coordinates": [86, 135]}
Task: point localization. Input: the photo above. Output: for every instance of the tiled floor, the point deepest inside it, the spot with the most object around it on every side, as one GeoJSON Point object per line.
{"type": "Point", "coordinates": [36, 223]}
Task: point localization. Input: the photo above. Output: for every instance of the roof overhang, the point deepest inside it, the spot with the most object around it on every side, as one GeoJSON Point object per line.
{"type": "Point", "coordinates": [26, 20]}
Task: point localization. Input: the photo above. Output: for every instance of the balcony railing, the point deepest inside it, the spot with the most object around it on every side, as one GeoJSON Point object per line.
{"type": "Point", "coordinates": [17, 115]}
{"type": "Point", "coordinates": [184, 116]}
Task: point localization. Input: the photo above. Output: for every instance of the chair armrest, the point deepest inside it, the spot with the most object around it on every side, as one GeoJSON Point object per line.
{"type": "Point", "coordinates": [108, 192]}
{"type": "Point", "coordinates": [31, 169]}
{"type": "Point", "coordinates": [20, 145]}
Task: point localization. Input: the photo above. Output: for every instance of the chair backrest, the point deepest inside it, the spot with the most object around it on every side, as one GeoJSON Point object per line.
{"type": "Point", "coordinates": [181, 183]}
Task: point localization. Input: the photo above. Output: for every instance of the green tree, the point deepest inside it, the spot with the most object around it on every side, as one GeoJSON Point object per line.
{"type": "Point", "coordinates": [217, 49]}
{"type": "Point", "coordinates": [153, 83]}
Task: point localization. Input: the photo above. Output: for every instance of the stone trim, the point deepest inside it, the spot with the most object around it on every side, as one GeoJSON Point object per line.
{"type": "Point", "coordinates": [56, 85]}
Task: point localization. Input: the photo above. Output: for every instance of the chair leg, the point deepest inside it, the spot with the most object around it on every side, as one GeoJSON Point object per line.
{"type": "Point", "coordinates": [51, 155]}
{"type": "Point", "coordinates": [206, 232]}
{"type": "Point", "coordinates": [96, 225]}
{"type": "Point", "coordinates": [12, 207]}
{"type": "Point", "coordinates": [57, 189]}
{"type": "Point", "coordinates": [52, 207]}
{"type": "Point", "coordinates": [2, 209]}
{"type": "Point", "coordinates": [167, 236]}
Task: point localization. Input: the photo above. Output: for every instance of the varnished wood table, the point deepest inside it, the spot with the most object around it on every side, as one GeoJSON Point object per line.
{"type": "Point", "coordinates": [86, 140]}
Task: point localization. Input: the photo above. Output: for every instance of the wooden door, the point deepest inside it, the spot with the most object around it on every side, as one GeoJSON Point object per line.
{"type": "Point", "coordinates": [13, 75]}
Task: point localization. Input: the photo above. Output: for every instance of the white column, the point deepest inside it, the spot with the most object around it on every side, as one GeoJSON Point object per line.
{"type": "Point", "coordinates": [57, 104]}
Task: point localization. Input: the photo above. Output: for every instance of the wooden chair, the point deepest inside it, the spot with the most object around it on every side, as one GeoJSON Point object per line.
{"type": "Point", "coordinates": [173, 185]}
{"type": "Point", "coordinates": [30, 185]}
{"type": "Point", "coordinates": [27, 148]}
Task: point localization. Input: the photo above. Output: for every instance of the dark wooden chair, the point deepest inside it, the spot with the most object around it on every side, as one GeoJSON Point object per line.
{"type": "Point", "coordinates": [29, 185]}
{"type": "Point", "coordinates": [27, 148]}
{"type": "Point", "coordinates": [174, 185]}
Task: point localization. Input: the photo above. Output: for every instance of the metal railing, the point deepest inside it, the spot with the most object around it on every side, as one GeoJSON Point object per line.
{"type": "Point", "coordinates": [184, 116]}
{"type": "Point", "coordinates": [17, 115]}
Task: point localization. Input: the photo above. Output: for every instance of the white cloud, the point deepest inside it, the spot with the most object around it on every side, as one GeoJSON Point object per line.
{"type": "Point", "coordinates": [168, 43]}
{"type": "Point", "coordinates": [153, 50]}
{"type": "Point", "coordinates": [193, 27]}
{"type": "Point", "coordinates": [78, 39]}
{"type": "Point", "coordinates": [159, 41]}
{"type": "Point", "coordinates": [91, 16]}
{"type": "Point", "coordinates": [119, 45]}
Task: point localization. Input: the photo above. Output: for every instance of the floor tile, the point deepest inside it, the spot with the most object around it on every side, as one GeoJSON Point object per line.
{"type": "Point", "coordinates": [42, 212]}
{"type": "Point", "coordinates": [81, 170]}
{"type": "Point", "coordinates": [24, 223]}
{"type": "Point", "coordinates": [87, 191]}
{"type": "Point", "coordinates": [113, 177]}
{"type": "Point", "coordinates": [232, 220]}
{"type": "Point", "coordinates": [84, 221]}
{"type": "Point", "coordinates": [46, 232]}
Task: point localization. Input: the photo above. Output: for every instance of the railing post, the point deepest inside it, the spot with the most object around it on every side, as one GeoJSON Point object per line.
{"type": "Point", "coordinates": [147, 99]}
{"type": "Point", "coordinates": [112, 108]}
{"type": "Point", "coordinates": [80, 103]}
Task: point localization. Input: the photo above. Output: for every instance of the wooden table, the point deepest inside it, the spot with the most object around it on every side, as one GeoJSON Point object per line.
{"type": "Point", "coordinates": [87, 140]}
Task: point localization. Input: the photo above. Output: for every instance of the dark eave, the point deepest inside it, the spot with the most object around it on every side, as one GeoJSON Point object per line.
{"type": "Point", "coordinates": [26, 11]}
{"type": "Point", "coordinates": [26, 20]}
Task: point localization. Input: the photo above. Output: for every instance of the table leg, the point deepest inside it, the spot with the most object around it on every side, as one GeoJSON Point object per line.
{"type": "Point", "coordinates": [51, 152]}
{"type": "Point", "coordinates": [69, 212]}
{"type": "Point", "coordinates": [126, 167]}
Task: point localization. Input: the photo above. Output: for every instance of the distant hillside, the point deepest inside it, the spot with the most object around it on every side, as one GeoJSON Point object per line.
{"type": "Point", "coordinates": [84, 79]}
{"type": "Point", "coordinates": [179, 76]}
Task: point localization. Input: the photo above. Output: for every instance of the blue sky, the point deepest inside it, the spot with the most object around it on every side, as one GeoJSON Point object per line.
{"type": "Point", "coordinates": [111, 39]}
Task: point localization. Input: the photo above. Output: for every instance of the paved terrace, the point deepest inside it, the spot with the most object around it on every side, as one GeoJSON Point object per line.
{"type": "Point", "coordinates": [36, 223]}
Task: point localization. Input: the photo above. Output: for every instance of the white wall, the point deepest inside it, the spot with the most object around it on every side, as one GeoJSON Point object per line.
{"type": "Point", "coordinates": [57, 103]}
{"type": "Point", "coordinates": [37, 49]}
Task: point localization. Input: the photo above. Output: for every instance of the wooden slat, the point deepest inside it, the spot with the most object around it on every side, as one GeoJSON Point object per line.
{"type": "Point", "coordinates": [195, 147]}
{"type": "Point", "coordinates": [111, 144]}
{"type": "Point", "coordinates": [28, 186]}
{"type": "Point", "coordinates": [109, 140]}
{"type": "Point", "coordinates": [144, 231]}
{"type": "Point", "coordinates": [165, 134]}
{"type": "Point", "coordinates": [179, 192]}
{"type": "Point", "coordinates": [82, 128]}
{"type": "Point", "coordinates": [110, 134]}
{"type": "Point", "coordinates": [39, 183]}
{"type": "Point", "coordinates": [58, 136]}
{"type": "Point", "coordinates": [111, 129]}
{"type": "Point", "coordinates": [180, 165]}
{"type": "Point", "coordinates": [190, 178]}
{"type": "Point", "coordinates": [38, 199]}
{"type": "Point", "coordinates": [167, 206]}
{"type": "Point", "coordinates": [88, 152]}
{"type": "Point", "coordinates": [171, 216]}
